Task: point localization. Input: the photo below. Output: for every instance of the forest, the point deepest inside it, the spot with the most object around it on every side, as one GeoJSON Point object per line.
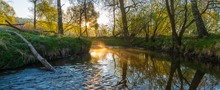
{"type": "Point", "coordinates": [172, 33]}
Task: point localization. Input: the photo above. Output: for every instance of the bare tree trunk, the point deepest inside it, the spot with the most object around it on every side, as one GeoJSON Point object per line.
{"type": "Point", "coordinates": [146, 30]}
{"type": "Point", "coordinates": [196, 80]}
{"type": "Point", "coordinates": [35, 53]}
{"type": "Point", "coordinates": [85, 11]}
{"type": "Point", "coordinates": [60, 22]}
{"type": "Point", "coordinates": [153, 37]}
{"type": "Point", "coordinates": [35, 3]}
{"type": "Point", "coordinates": [80, 22]}
{"type": "Point", "coordinates": [113, 32]}
{"type": "Point", "coordinates": [124, 18]}
{"type": "Point", "coordinates": [171, 14]}
{"type": "Point", "coordinates": [201, 29]}
{"type": "Point", "coordinates": [174, 66]}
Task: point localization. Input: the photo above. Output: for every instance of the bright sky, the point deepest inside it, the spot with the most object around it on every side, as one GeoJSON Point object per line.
{"type": "Point", "coordinates": [21, 8]}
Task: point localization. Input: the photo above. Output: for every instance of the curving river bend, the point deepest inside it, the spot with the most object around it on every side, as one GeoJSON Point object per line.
{"type": "Point", "coordinates": [115, 68]}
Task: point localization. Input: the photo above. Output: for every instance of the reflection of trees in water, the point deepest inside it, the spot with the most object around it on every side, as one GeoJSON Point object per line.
{"type": "Point", "coordinates": [145, 70]}
{"type": "Point", "coordinates": [175, 66]}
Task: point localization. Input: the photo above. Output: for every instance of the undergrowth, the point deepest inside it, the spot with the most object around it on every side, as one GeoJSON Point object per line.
{"type": "Point", "coordinates": [15, 53]}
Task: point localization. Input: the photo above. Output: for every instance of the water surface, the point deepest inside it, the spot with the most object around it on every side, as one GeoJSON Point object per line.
{"type": "Point", "coordinates": [116, 68]}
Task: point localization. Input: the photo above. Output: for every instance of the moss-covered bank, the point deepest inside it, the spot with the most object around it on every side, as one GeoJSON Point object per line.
{"type": "Point", "coordinates": [15, 53]}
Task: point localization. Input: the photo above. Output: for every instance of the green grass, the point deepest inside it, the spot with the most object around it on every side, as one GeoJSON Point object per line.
{"type": "Point", "coordinates": [211, 43]}
{"type": "Point", "coordinates": [15, 53]}
{"type": "Point", "coordinates": [112, 41]}
{"type": "Point", "coordinates": [207, 45]}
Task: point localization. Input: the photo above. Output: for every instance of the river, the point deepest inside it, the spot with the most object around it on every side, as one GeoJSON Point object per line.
{"type": "Point", "coordinates": [115, 68]}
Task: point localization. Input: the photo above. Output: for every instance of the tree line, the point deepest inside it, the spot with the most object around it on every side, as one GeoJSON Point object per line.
{"type": "Point", "coordinates": [129, 18]}
{"type": "Point", "coordinates": [149, 18]}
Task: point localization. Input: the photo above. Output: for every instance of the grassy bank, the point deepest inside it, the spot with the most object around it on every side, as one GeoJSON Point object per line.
{"type": "Point", "coordinates": [15, 53]}
{"type": "Point", "coordinates": [111, 41]}
{"type": "Point", "coordinates": [192, 46]}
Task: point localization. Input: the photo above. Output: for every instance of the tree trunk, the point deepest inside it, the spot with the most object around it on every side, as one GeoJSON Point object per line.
{"type": "Point", "coordinates": [174, 65]}
{"type": "Point", "coordinates": [60, 22]}
{"type": "Point", "coordinates": [35, 3]}
{"type": "Point", "coordinates": [146, 29]}
{"type": "Point", "coordinates": [124, 18]}
{"type": "Point", "coordinates": [201, 29]}
{"type": "Point", "coordinates": [85, 11]}
{"type": "Point", "coordinates": [153, 37]}
{"type": "Point", "coordinates": [80, 22]}
{"type": "Point", "coordinates": [11, 25]}
{"type": "Point", "coordinates": [35, 53]}
{"type": "Point", "coordinates": [171, 14]}
{"type": "Point", "coordinates": [113, 32]}
{"type": "Point", "coordinates": [196, 80]}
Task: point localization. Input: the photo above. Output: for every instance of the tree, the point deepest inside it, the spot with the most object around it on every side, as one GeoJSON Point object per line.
{"type": "Point", "coordinates": [35, 13]}
{"type": "Point", "coordinates": [183, 21]}
{"type": "Point", "coordinates": [124, 18]}
{"type": "Point", "coordinates": [47, 14]}
{"type": "Point", "coordinates": [60, 22]}
{"type": "Point", "coordinates": [75, 14]}
{"type": "Point", "coordinates": [113, 4]}
{"type": "Point", "coordinates": [85, 15]}
{"type": "Point", "coordinates": [7, 12]}
{"type": "Point", "coordinates": [114, 18]}
{"type": "Point", "coordinates": [201, 29]}
{"type": "Point", "coordinates": [74, 18]}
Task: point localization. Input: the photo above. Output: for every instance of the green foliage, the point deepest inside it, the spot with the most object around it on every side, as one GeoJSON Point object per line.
{"type": "Point", "coordinates": [204, 45]}
{"type": "Point", "coordinates": [75, 18]}
{"type": "Point", "coordinates": [6, 12]}
{"type": "Point", "coordinates": [47, 14]}
{"type": "Point", "coordinates": [113, 41]}
{"type": "Point", "coordinates": [140, 42]}
{"type": "Point", "coordinates": [15, 53]}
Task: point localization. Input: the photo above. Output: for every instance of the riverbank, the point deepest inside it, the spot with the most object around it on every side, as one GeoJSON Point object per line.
{"type": "Point", "coordinates": [206, 48]}
{"type": "Point", "coordinates": [15, 53]}
{"type": "Point", "coordinates": [105, 70]}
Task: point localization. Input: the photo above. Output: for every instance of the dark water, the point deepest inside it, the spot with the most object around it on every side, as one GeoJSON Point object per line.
{"type": "Point", "coordinates": [117, 68]}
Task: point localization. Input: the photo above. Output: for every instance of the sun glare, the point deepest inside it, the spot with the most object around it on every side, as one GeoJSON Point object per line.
{"type": "Point", "coordinates": [87, 24]}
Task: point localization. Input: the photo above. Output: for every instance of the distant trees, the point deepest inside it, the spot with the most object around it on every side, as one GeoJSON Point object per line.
{"type": "Point", "coordinates": [35, 12]}
{"type": "Point", "coordinates": [75, 17]}
{"type": "Point", "coordinates": [47, 15]}
{"type": "Point", "coordinates": [134, 18]}
{"type": "Point", "coordinates": [6, 12]}
{"type": "Point", "coordinates": [130, 18]}
{"type": "Point", "coordinates": [179, 22]}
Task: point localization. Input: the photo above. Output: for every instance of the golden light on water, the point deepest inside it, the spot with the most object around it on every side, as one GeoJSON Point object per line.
{"type": "Point", "coordinates": [101, 45]}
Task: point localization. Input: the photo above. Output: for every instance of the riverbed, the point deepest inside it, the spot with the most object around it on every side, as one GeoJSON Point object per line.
{"type": "Point", "coordinates": [112, 68]}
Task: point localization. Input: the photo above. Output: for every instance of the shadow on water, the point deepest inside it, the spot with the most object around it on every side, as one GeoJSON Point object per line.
{"type": "Point", "coordinates": [129, 68]}
{"type": "Point", "coordinates": [139, 69]}
{"type": "Point", "coordinates": [79, 59]}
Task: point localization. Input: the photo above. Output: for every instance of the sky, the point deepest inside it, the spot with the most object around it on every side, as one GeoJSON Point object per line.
{"type": "Point", "coordinates": [22, 7]}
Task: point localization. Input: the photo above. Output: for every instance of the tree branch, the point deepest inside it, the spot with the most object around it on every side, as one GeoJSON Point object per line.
{"type": "Point", "coordinates": [207, 6]}
{"type": "Point", "coordinates": [11, 25]}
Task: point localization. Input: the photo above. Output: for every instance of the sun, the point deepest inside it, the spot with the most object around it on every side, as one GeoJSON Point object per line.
{"type": "Point", "coordinates": [87, 24]}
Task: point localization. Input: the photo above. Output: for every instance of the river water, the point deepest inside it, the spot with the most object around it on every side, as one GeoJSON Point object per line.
{"type": "Point", "coordinates": [116, 68]}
